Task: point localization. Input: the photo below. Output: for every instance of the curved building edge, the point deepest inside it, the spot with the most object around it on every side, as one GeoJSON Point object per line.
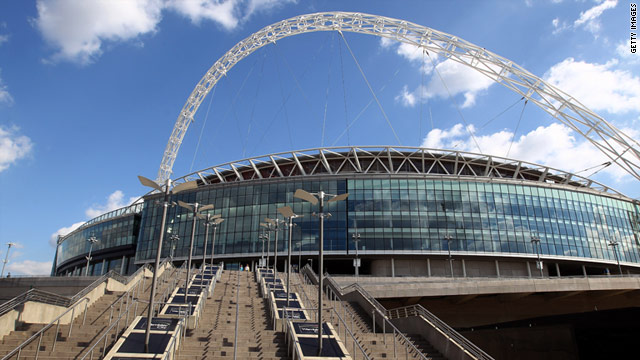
{"type": "Point", "coordinates": [403, 202]}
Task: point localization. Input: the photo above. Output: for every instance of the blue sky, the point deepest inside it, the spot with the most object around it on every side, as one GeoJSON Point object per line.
{"type": "Point", "coordinates": [90, 90]}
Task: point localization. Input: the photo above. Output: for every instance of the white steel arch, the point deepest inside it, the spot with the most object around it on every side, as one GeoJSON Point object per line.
{"type": "Point", "coordinates": [617, 146]}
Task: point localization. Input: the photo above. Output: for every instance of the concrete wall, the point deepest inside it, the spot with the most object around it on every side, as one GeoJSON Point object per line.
{"type": "Point", "coordinates": [65, 286]}
{"type": "Point", "coordinates": [8, 322]}
{"type": "Point", "coordinates": [439, 267]}
{"type": "Point", "coordinates": [420, 325]}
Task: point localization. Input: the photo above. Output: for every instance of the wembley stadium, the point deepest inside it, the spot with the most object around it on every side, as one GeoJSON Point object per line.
{"type": "Point", "coordinates": [413, 210]}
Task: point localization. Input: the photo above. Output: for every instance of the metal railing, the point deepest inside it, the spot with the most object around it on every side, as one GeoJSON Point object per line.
{"type": "Point", "coordinates": [448, 331]}
{"type": "Point", "coordinates": [59, 300]}
{"type": "Point", "coordinates": [18, 350]}
{"type": "Point", "coordinates": [235, 340]}
{"type": "Point", "coordinates": [398, 336]}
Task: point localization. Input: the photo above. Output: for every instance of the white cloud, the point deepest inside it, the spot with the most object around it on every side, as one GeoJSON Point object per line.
{"type": "Point", "coordinates": [590, 19]}
{"type": "Point", "coordinates": [456, 79]}
{"type": "Point", "coordinates": [598, 86]}
{"type": "Point", "coordinates": [78, 29]}
{"type": "Point", "coordinates": [555, 145]}
{"type": "Point", "coordinates": [114, 201]}
{"type": "Point", "coordinates": [29, 267]}
{"type": "Point", "coordinates": [53, 239]}
{"type": "Point", "coordinates": [3, 38]}
{"type": "Point", "coordinates": [450, 77]}
{"type": "Point", "coordinates": [13, 147]}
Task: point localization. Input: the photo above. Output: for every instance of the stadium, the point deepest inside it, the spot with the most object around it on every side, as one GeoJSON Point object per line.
{"type": "Point", "coordinates": [410, 206]}
{"type": "Point", "coordinates": [485, 242]}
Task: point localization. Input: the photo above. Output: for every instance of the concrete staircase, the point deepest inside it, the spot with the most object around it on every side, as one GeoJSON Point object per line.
{"type": "Point", "coordinates": [374, 344]}
{"type": "Point", "coordinates": [214, 337]}
{"type": "Point", "coordinates": [82, 337]}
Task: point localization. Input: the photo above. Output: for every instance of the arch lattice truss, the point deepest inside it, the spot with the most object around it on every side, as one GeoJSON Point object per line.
{"type": "Point", "coordinates": [617, 146]}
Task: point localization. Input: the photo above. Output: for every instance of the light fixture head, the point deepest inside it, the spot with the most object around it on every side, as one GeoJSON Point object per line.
{"type": "Point", "coordinates": [303, 195]}
{"type": "Point", "coordinates": [339, 197]}
{"type": "Point", "coordinates": [185, 205]}
{"type": "Point", "coordinates": [149, 183]}
{"type": "Point", "coordinates": [189, 185]}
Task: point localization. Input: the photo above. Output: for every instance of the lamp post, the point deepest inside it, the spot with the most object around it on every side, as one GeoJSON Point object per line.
{"type": "Point", "coordinates": [614, 246]}
{"type": "Point", "coordinates": [315, 198]}
{"type": "Point", "coordinates": [265, 236]}
{"type": "Point", "coordinates": [215, 224]}
{"type": "Point", "coordinates": [165, 205]}
{"type": "Point", "coordinates": [535, 240]}
{"type": "Point", "coordinates": [208, 221]}
{"type": "Point", "coordinates": [174, 239]}
{"type": "Point", "coordinates": [6, 258]}
{"type": "Point", "coordinates": [288, 213]}
{"type": "Point", "coordinates": [274, 225]}
{"type": "Point", "coordinates": [448, 237]}
{"type": "Point", "coordinates": [92, 240]}
{"type": "Point", "coordinates": [195, 208]}
{"type": "Point", "coordinates": [356, 262]}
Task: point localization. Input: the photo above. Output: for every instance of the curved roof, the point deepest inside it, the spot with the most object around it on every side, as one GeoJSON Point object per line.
{"type": "Point", "coordinates": [390, 160]}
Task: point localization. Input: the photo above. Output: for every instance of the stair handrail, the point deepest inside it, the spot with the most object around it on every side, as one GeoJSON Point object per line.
{"type": "Point", "coordinates": [41, 332]}
{"type": "Point", "coordinates": [60, 300]}
{"type": "Point", "coordinates": [463, 342]}
{"type": "Point", "coordinates": [409, 345]}
{"type": "Point", "coordinates": [374, 303]}
{"type": "Point", "coordinates": [235, 340]}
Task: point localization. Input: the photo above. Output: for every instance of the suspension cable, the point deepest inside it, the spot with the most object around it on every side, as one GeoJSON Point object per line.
{"type": "Point", "coordinates": [253, 109]}
{"type": "Point", "coordinates": [282, 106]}
{"type": "Point", "coordinates": [466, 125]}
{"type": "Point", "coordinates": [204, 123]}
{"type": "Point", "coordinates": [371, 89]}
{"type": "Point", "coordinates": [284, 102]}
{"type": "Point", "coordinates": [364, 108]}
{"type": "Point", "coordinates": [502, 112]}
{"type": "Point", "coordinates": [326, 95]}
{"type": "Point", "coordinates": [421, 90]}
{"type": "Point", "coordinates": [344, 95]}
{"type": "Point", "coordinates": [513, 138]}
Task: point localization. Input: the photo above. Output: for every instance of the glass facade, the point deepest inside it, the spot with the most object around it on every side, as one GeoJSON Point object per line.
{"type": "Point", "coordinates": [396, 213]}
{"type": "Point", "coordinates": [244, 206]}
{"type": "Point", "coordinates": [119, 232]}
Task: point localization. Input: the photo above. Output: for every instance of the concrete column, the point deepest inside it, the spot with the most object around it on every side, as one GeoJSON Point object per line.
{"type": "Point", "coordinates": [584, 271]}
{"type": "Point", "coordinates": [497, 269]}
{"type": "Point", "coordinates": [104, 261]}
{"type": "Point", "coordinates": [124, 259]}
{"type": "Point", "coordinates": [529, 269]}
{"type": "Point", "coordinates": [558, 269]}
{"type": "Point", "coordinates": [428, 267]}
{"type": "Point", "coordinates": [464, 269]}
{"type": "Point", "coordinates": [393, 268]}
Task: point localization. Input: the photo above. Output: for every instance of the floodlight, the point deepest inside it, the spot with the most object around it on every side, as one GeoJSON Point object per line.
{"type": "Point", "coordinates": [286, 211]}
{"type": "Point", "coordinates": [149, 183]}
{"type": "Point", "coordinates": [206, 207]}
{"type": "Point", "coordinates": [270, 221]}
{"type": "Point", "coordinates": [189, 185]}
{"type": "Point", "coordinates": [185, 205]}
{"type": "Point", "coordinates": [301, 194]}
{"type": "Point", "coordinates": [218, 221]}
{"type": "Point", "coordinates": [339, 197]}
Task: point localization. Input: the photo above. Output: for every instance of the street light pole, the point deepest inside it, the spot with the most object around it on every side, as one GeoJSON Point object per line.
{"type": "Point", "coordinates": [448, 237]}
{"type": "Point", "coordinates": [165, 205]}
{"type": "Point", "coordinates": [216, 222]}
{"type": "Point", "coordinates": [288, 213]}
{"type": "Point", "coordinates": [356, 239]}
{"type": "Point", "coordinates": [614, 245]}
{"type": "Point", "coordinates": [535, 240]}
{"type": "Point", "coordinates": [195, 209]}
{"type": "Point", "coordinates": [174, 239]}
{"type": "Point", "coordinates": [92, 239]}
{"type": "Point", "coordinates": [311, 197]}
{"type": "Point", "coordinates": [6, 258]}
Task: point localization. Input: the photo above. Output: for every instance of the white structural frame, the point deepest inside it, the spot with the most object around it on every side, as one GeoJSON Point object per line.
{"type": "Point", "coordinates": [616, 145]}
